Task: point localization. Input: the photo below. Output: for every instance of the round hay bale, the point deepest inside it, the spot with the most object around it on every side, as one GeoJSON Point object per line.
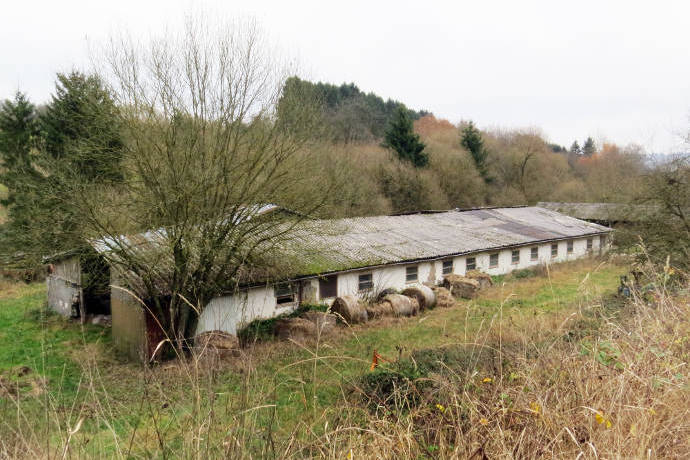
{"type": "Point", "coordinates": [402, 305]}
{"type": "Point", "coordinates": [295, 328]}
{"type": "Point", "coordinates": [379, 310]}
{"type": "Point", "coordinates": [384, 293]}
{"type": "Point", "coordinates": [218, 342]}
{"type": "Point", "coordinates": [424, 295]}
{"type": "Point", "coordinates": [444, 299]}
{"type": "Point", "coordinates": [460, 286]}
{"type": "Point", "coordinates": [482, 278]}
{"type": "Point", "coordinates": [350, 309]}
{"type": "Point", "coordinates": [324, 322]}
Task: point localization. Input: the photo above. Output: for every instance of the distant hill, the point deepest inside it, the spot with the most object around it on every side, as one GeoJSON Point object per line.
{"type": "Point", "coordinates": [350, 114]}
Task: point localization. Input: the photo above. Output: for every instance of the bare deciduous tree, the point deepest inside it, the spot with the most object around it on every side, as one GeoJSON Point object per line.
{"type": "Point", "coordinates": [209, 141]}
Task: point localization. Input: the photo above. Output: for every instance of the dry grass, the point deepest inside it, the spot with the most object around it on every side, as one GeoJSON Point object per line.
{"type": "Point", "coordinates": [598, 378]}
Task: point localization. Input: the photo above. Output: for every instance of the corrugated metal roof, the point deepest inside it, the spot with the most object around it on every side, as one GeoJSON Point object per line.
{"type": "Point", "coordinates": [604, 212]}
{"type": "Point", "coordinates": [334, 245]}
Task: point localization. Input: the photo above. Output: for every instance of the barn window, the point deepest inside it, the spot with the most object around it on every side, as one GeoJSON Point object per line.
{"type": "Point", "coordinates": [328, 286]}
{"type": "Point", "coordinates": [590, 243]}
{"type": "Point", "coordinates": [602, 241]}
{"type": "Point", "coordinates": [554, 250]}
{"type": "Point", "coordinates": [534, 253]}
{"type": "Point", "coordinates": [515, 256]}
{"type": "Point", "coordinates": [493, 260]}
{"type": "Point", "coordinates": [284, 293]}
{"type": "Point", "coordinates": [366, 282]}
{"type": "Point", "coordinates": [411, 274]}
{"type": "Point", "coordinates": [470, 263]}
{"type": "Point", "coordinates": [447, 267]}
{"type": "Point", "coordinates": [570, 247]}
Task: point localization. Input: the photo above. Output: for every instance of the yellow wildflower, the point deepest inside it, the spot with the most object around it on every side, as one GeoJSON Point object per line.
{"type": "Point", "coordinates": [487, 380]}
{"type": "Point", "coordinates": [652, 411]}
{"type": "Point", "coordinates": [440, 408]}
{"type": "Point", "coordinates": [601, 420]}
{"type": "Point", "coordinates": [483, 421]}
{"type": "Point", "coordinates": [350, 456]}
{"type": "Point", "coordinates": [535, 407]}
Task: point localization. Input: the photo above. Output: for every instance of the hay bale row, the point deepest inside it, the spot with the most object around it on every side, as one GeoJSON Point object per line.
{"type": "Point", "coordinates": [425, 296]}
{"type": "Point", "coordinates": [310, 325]}
{"type": "Point", "coordinates": [216, 342]}
{"type": "Point", "coordinates": [482, 278]}
{"type": "Point", "coordinates": [350, 309]}
{"type": "Point", "coordinates": [444, 299]}
{"type": "Point", "coordinates": [461, 286]}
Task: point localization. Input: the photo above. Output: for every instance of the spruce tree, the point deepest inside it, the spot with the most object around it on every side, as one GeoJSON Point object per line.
{"type": "Point", "coordinates": [401, 137]}
{"type": "Point", "coordinates": [589, 148]}
{"type": "Point", "coordinates": [575, 148]}
{"type": "Point", "coordinates": [80, 128]}
{"type": "Point", "coordinates": [18, 132]}
{"type": "Point", "coordinates": [472, 142]}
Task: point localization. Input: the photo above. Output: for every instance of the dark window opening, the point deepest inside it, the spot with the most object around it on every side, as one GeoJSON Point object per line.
{"type": "Point", "coordinates": [328, 286]}
{"type": "Point", "coordinates": [515, 256]}
{"type": "Point", "coordinates": [590, 243]}
{"type": "Point", "coordinates": [534, 253]}
{"type": "Point", "coordinates": [447, 267]}
{"type": "Point", "coordinates": [554, 250]}
{"type": "Point", "coordinates": [284, 293]}
{"type": "Point", "coordinates": [411, 274]}
{"type": "Point", "coordinates": [493, 260]}
{"type": "Point", "coordinates": [366, 282]}
{"type": "Point", "coordinates": [470, 263]}
{"type": "Point", "coordinates": [570, 247]}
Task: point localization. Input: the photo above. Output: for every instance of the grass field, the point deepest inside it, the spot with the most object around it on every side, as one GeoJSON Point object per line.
{"type": "Point", "coordinates": [278, 398]}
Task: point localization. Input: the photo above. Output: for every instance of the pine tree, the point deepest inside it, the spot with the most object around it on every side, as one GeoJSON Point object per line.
{"type": "Point", "coordinates": [17, 134]}
{"type": "Point", "coordinates": [400, 137]}
{"type": "Point", "coordinates": [575, 148]}
{"type": "Point", "coordinates": [589, 148]}
{"type": "Point", "coordinates": [472, 142]}
{"type": "Point", "coordinates": [80, 128]}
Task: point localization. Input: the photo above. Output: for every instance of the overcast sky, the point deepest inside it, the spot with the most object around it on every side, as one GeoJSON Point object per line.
{"type": "Point", "coordinates": [613, 70]}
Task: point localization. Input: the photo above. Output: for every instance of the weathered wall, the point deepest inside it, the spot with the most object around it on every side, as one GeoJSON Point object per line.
{"type": "Point", "coordinates": [128, 322]}
{"type": "Point", "coordinates": [230, 313]}
{"type": "Point", "coordinates": [64, 286]}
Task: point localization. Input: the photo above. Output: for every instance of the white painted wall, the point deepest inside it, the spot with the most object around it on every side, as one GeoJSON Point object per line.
{"type": "Point", "coordinates": [232, 312]}
{"type": "Point", "coordinates": [229, 313]}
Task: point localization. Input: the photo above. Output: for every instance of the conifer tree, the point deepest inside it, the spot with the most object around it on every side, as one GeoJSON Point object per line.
{"type": "Point", "coordinates": [17, 134]}
{"type": "Point", "coordinates": [80, 128]}
{"type": "Point", "coordinates": [575, 148]}
{"type": "Point", "coordinates": [401, 137]}
{"type": "Point", "coordinates": [589, 148]}
{"type": "Point", "coordinates": [472, 142]}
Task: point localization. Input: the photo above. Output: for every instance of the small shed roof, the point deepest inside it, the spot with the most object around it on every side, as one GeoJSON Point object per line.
{"type": "Point", "coordinates": [341, 244]}
{"type": "Point", "coordinates": [603, 212]}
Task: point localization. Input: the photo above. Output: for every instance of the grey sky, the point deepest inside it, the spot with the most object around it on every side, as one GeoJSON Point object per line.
{"type": "Point", "coordinates": [615, 70]}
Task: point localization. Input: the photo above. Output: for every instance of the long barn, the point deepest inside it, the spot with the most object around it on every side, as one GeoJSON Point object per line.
{"type": "Point", "coordinates": [361, 256]}
{"type": "Point", "coordinates": [358, 255]}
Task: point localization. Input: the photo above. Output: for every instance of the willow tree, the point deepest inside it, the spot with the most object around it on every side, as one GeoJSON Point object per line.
{"type": "Point", "coordinates": [209, 138]}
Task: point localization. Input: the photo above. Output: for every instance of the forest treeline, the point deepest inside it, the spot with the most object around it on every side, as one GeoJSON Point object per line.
{"type": "Point", "coordinates": [462, 166]}
{"type": "Point", "coordinates": [378, 156]}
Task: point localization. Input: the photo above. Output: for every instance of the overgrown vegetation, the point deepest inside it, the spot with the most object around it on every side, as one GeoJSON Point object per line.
{"type": "Point", "coordinates": [569, 368]}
